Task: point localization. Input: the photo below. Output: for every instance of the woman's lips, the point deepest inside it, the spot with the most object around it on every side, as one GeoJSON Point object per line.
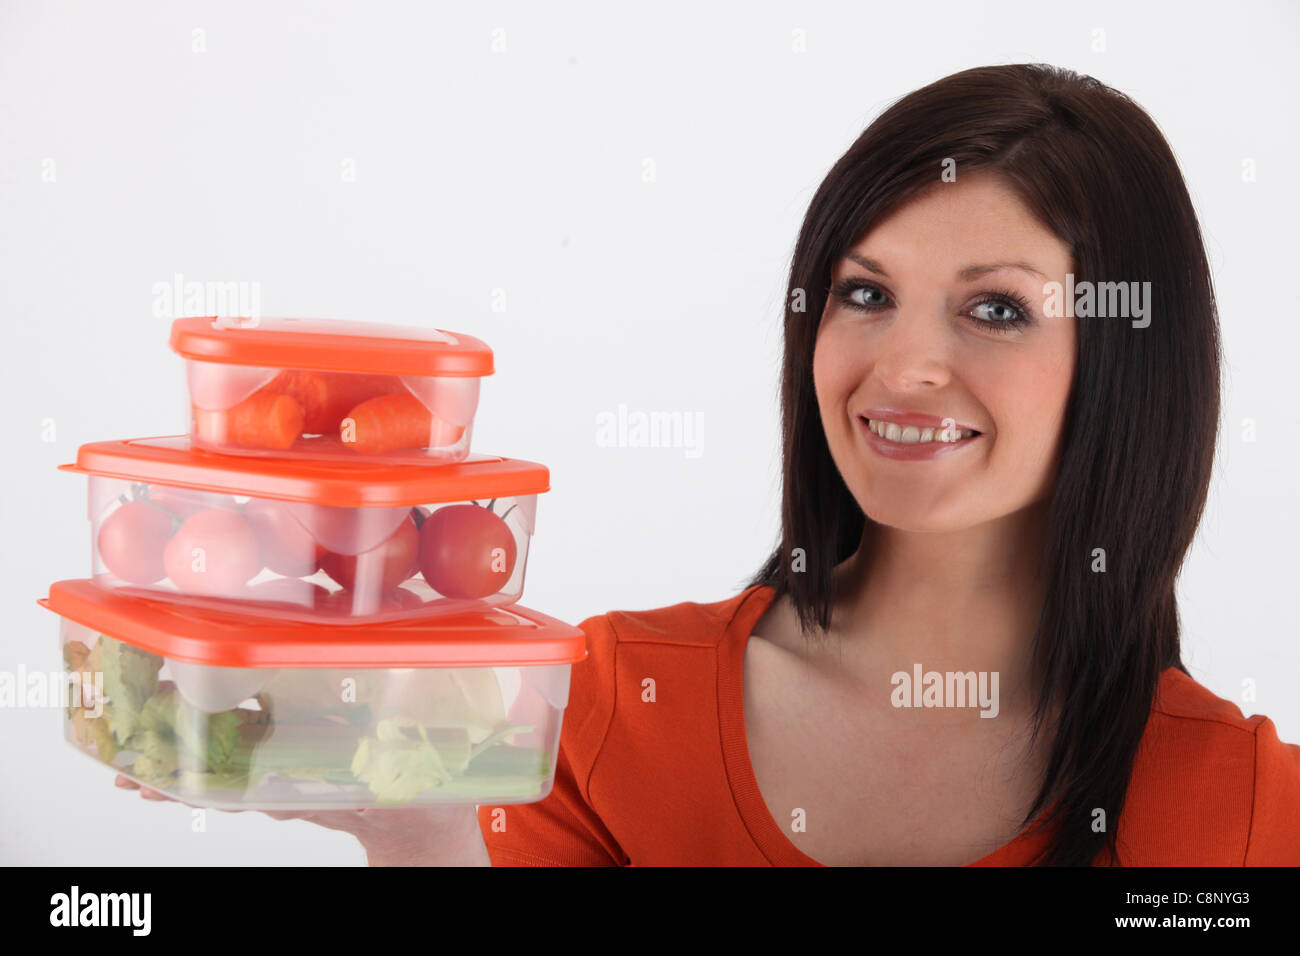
{"type": "Point", "coordinates": [919, 419]}
{"type": "Point", "coordinates": [915, 451]}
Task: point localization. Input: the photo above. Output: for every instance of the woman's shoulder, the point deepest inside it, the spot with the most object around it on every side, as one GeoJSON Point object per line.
{"type": "Point", "coordinates": [624, 647]}
{"type": "Point", "coordinates": [686, 622]}
{"type": "Point", "coordinates": [1207, 775]}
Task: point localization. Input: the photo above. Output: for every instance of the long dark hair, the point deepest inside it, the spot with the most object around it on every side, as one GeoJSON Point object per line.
{"type": "Point", "coordinates": [1140, 426]}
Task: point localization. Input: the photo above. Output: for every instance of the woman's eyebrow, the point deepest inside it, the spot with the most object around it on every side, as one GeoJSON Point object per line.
{"type": "Point", "coordinates": [868, 263]}
{"type": "Point", "coordinates": [969, 272]}
{"type": "Point", "coordinates": [973, 272]}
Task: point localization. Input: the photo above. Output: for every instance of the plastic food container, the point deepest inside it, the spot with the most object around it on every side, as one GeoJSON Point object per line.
{"type": "Point", "coordinates": [323, 388]}
{"type": "Point", "coordinates": [326, 542]}
{"type": "Point", "coordinates": [231, 712]}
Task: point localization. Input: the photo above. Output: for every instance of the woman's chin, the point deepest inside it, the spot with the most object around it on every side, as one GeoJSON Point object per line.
{"type": "Point", "coordinates": [919, 516]}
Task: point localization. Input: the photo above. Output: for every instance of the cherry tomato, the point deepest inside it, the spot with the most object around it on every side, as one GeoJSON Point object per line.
{"type": "Point", "coordinates": [214, 552]}
{"type": "Point", "coordinates": [383, 567]}
{"type": "Point", "coordinates": [183, 502]}
{"type": "Point", "coordinates": [286, 546]}
{"type": "Point", "coordinates": [131, 542]}
{"type": "Point", "coordinates": [466, 552]}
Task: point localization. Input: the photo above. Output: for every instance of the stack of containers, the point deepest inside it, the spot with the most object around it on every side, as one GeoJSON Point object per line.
{"type": "Point", "coordinates": [310, 601]}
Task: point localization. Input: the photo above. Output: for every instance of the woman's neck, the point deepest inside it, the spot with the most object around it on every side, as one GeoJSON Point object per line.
{"type": "Point", "coordinates": [947, 601]}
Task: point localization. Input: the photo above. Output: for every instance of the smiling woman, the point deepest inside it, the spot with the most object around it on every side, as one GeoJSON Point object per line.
{"type": "Point", "coordinates": [928, 323]}
{"type": "Point", "coordinates": [975, 524]}
{"type": "Point", "coordinates": [964, 649]}
{"type": "Point", "coordinates": [1045, 542]}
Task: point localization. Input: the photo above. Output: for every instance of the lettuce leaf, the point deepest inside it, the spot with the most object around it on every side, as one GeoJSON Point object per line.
{"type": "Point", "coordinates": [130, 679]}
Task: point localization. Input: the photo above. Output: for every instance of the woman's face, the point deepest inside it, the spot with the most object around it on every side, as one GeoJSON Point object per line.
{"type": "Point", "coordinates": [935, 324]}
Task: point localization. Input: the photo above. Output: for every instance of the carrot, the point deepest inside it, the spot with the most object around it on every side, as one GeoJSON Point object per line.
{"type": "Point", "coordinates": [263, 420]}
{"type": "Point", "coordinates": [387, 423]}
{"type": "Point", "coordinates": [327, 396]}
{"type": "Point", "coordinates": [311, 391]}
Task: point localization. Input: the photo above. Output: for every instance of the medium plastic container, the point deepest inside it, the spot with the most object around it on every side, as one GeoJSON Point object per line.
{"type": "Point", "coordinates": [235, 713]}
{"type": "Point", "coordinates": [324, 388]}
{"type": "Point", "coordinates": [326, 542]}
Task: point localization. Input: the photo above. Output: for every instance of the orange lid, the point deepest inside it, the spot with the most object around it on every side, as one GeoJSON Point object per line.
{"type": "Point", "coordinates": [498, 637]}
{"type": "Point", "coordinates": [331, 345]}
{"type": "Point", "coordinates": [173, 461]}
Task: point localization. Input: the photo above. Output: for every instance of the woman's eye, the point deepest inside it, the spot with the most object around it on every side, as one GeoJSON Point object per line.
{"type": "Point", "coordinates": [870, 298]}
{"type": "Point", "coordinates": [858, 295]}
{"type": "Point", "coordinates": [999, 313]}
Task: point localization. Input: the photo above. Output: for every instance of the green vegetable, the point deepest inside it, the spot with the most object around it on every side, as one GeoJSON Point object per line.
{"type": "Point", "coordinates": [497, 736]}
{"type": "Point", "coordinates": [484, 789]}
{"type": "Point", "coordinates": [208, 738]}
{"type": "Point", "coordinates": [532, 762]}
{"type": "Point", "coordinates": [130, 679]}
{"type": "Point", "coordinates": [94, 731]}
{"type": "Point", "coordinates": [158, 757]}
{"type": "Point", "coordinates": [399, 767]}
{"type": "Point", "coordinates": [444, 733]}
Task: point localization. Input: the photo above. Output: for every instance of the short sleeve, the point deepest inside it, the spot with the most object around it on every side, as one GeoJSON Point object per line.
{"type": "Point", "coordinates": [564, 829]}
{"type": "Point", "coordinates": [1275, 814]}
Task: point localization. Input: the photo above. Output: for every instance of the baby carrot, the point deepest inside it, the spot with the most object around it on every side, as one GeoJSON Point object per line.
{"type": "Point", "coordinates": [387, 423]}
{"type": "Point", "coordinates": [327, 396]}
{"type": "Point", "coordinates": [263, 420]}
{"type": "Point", "coordinates": [311, 391]}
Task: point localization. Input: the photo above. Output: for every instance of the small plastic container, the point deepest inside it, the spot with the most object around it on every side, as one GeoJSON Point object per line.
{"type": "Point", "coordinates": [235, 713]}
{"type": "Point", "coordinates": [324, 388]}
{"type": "Point", "coordinates": [325, 542]}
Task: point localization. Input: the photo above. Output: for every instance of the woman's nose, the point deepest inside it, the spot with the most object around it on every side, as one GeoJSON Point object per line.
{"type": "Point", "coordinates": [912, 353]}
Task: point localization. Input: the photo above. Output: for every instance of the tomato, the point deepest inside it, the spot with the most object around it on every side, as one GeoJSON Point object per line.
{"type": "Point", "coordinates": [348, 530]}
{"type": "Point", "coordinates": [286, 546]}
{"type": "Point", "coordinates": [183, 502]}
{"type": "Point", "coordinates": [131, 542]}
{"type": "Point", "coordinates": [383, 567]}
{"type": "Point", "coordinates": [466, 552]}
{"type": "Point", "coordinates": [214, 552]}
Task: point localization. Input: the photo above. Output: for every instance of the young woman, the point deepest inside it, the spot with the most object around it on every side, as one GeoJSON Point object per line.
{"type": "Point", "coordinates": [965, 648]}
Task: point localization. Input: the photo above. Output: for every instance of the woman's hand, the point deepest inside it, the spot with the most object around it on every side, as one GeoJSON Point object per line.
{"type": "Point", "coordinates": [406, 836]}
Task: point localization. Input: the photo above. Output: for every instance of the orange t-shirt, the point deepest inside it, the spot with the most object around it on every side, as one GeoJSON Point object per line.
{"type": "Point", "coordinates": [1209, 787]}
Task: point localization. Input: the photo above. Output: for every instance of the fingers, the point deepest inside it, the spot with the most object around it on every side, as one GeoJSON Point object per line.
{"type": "Point", "coordinates": [127, 784]}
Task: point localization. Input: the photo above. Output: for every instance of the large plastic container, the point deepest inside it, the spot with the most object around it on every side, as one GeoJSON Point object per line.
{"type": "Point", "coordinates": [325, 542]}
{"type": "Point", "coordinates": [235, 713]}
{"type": "Point", "coordinates": [324, 388]}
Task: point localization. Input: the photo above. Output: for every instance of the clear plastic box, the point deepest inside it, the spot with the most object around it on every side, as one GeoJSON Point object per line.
{"type": "Point", "coordinates": [327, 389]}
{"type": "Point", "coordinates": [323, 543]}
{"type": "Point", "coordinates": [468, 711]}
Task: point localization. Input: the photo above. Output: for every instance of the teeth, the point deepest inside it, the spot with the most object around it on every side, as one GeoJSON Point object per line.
{"type": "Point", "coordinates": [911, 435]}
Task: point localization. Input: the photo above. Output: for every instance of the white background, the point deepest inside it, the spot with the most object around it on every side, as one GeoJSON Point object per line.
{"type": "Point", "coordinates": [522, 171]}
